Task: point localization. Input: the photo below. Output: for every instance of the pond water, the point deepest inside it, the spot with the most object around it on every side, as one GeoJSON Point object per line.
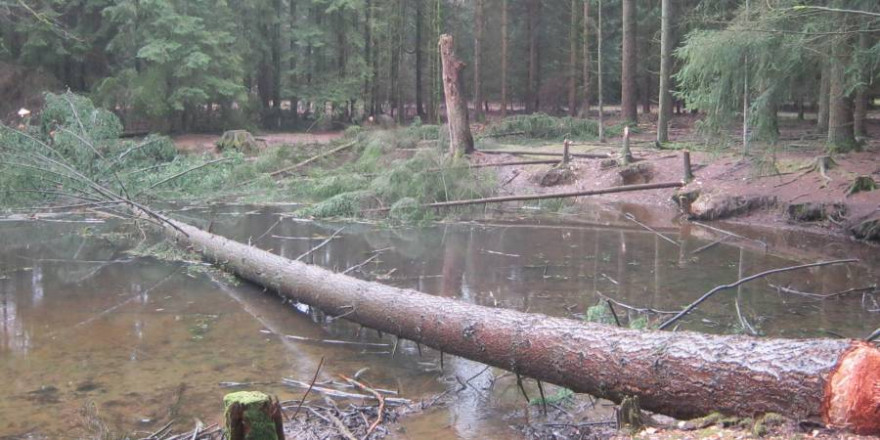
{"type": "Point", "coordinates": [85, 326]}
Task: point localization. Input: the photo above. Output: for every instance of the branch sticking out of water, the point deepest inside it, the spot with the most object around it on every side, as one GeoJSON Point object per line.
{"type": "Point", "coordinates": [717, 289]}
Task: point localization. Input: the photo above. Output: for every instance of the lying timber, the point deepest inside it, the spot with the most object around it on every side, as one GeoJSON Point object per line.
{"type": "Point", "coordinates": [501, 199]}
{"type": "Point", "coordinates": [545, 153]}
{"type": "Point", "coordinates": [494, 164]}
{"type": "Point", "coordinates": [682, 374]}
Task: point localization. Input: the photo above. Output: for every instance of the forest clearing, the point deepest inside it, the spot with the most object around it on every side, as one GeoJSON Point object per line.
{"type": "Point", "coordinates": [367, 222]}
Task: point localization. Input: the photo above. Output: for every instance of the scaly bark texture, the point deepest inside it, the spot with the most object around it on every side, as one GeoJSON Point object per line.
{"type": "Point", "coordinates": [682, 374]}
{"type": "Point", "coordinates": [460, 139]}
{"type": "Point", "coordinates": [629, 70]}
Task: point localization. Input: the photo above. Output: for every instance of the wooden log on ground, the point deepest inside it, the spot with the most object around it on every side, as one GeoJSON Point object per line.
{"type": "Point", "coordinates": [461, 141]}
{"type": "Point", "coordinates": [545, 153]}
{"type": "Point", "coordinates": [252, 415]}
{"type": "Point", "coordinates": [494, 164]}
{"type": "Point", "coordinates": [682, 374]}
{"type": "Point", "coordinates": [501, 199]}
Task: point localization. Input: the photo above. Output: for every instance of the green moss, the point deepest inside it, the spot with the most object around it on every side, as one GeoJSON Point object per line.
{"type": "Point", "coordinates": [256, 413]}
{"type": "Point", "coordinates": [561, 396]}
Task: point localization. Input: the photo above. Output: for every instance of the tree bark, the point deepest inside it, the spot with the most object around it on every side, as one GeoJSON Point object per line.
{"type": "Point", "coordinates": [629, 69]}
{"type": "Point", "coordinates": [840, 111]}
{"type": "Point", "coordinates": [822, 112]}
{"type": "Point", "coordinates": [460, 139]}
{"type": "Point", "coordinates": [478, 63]}
{"type": "Point", "coordinates": [861, 98]}
{"type": "Point", "coordinates": [532, 94]}
{"type": "Point", "coordinates": [503, 58]}
{"type": "Point", "coordinates": [665, 111]}
{"type": "Point", "coordinates": [572, 59]}
{"type": "Point", "coordinates": [599, 74]}
{"type": "Point", "coordinates": [682, 374]}
{"type": "Point", "coordinates": [585, 106]}
{"type": "Point", "coordinates": [420, 23]}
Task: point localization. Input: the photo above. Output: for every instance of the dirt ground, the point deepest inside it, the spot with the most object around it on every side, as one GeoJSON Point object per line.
{"type": "Point", "coordinates": [201, 143]}
{"type": "Point", "coordinates": [759, 190]}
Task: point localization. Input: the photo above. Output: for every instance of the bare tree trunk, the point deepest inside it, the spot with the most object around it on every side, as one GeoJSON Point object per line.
{"type": "Point", "coordinates": [822, 113]}
{"type": "Point", "coordinates": [861, 99]}
{"type": "Point", "coordinates": [532, 95]}
{"type": "Point", "coordinates": [629, 69]}
{"type": "Point", "coordinates": [599, 75]}
{"type": "Point", "coordinates": [840, 110]}
{"type": "Point", "coordinates": [585, 106]}
{"type": "Point", "coordinates": [806, 379]}
{"type": "Point", "coordinates": [665, 111]}
{"type": "Point", "coordinates": [572, 59]}
{"type": "Point", "coordinates": [478, 55]}
{"type": "Point", "coordinates": [503, 58]}
{"type": "Point", "coordinates": [460, 139]}
{"type": "Point", "coordinates": [420, 23]}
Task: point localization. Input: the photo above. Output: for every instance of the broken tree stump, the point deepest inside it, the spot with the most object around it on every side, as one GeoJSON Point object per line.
{"type": "Point", "coordinates": [686, 164]}
{"type": "Point", "coordinates": [461, 141]}
{"type": "Point", "coordinates": [861, 183]}
{"type": "Point", "coordinates": [252, 415]}
{"type": "Point", "coordinates": [239, 140]}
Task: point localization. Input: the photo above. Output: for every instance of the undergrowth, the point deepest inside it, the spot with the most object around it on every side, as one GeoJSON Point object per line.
{"type": "Point", "coordinates": [546, 127]}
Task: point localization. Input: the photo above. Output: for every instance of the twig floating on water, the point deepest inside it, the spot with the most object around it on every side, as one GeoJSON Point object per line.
{"type": "Point", "coordinates": [320, 245]}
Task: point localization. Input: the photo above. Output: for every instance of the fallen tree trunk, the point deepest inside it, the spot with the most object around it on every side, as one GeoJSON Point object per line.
{"type": "Point", "coordinates": [545, 153]}
{"type": "Point", "coordinates": [501, 199]}
{"type": "Point", "coordinates": [682, 374]}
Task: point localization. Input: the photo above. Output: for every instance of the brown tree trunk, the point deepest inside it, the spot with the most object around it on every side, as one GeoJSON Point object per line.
{"type": "Point", "coordinates": [861, 99]}
{"type": "Point", "coordinates": [599, 73]}
{"type": "Point", "coordinates": [840, 110]}
{"type": "Point", "coordinates": [460, 139]}
{"type": "Point", "coordinates": [532, 94]}
{"type": "Point", "coordinates": [682, 374]}
{"type": "Point", "coordinates": [585, 106]}
{"type": "Point", "coordinates": [629, 69]}
{"type": "Point", "coordinates": [503, 58]}
{"type": "Point", "coordinates": [572, 59]}
{"type": "Point", "coordinates": [478, 55]}
{"type": "Point", "coordinates": [822, 112]}
{"type": "Point", "coordinates": [420, 23]}
{"type": "Point", "coordinates": [665, 111]}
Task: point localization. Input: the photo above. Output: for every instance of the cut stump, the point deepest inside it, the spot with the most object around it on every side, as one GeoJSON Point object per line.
{"type": "Point", "coordinates": [252, 415]}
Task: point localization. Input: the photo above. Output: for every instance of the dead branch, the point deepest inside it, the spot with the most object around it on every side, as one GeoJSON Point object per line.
{"type": "Point", "coordinates": [717, 289]}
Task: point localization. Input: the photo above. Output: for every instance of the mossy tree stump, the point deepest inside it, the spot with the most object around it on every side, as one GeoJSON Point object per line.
{"type": "Point", "coordinates": [252, 415]}
{"type": "Point", "coordinates": [239, 140]}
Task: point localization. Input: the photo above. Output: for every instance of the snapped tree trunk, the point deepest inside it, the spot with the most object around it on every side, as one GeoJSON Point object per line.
{"type": "Point", "coordinates": [629, 69]}
{"type": "Point", "coordinates": [682, 374]}
{"type": "Point", "coordinates": [460, 139]}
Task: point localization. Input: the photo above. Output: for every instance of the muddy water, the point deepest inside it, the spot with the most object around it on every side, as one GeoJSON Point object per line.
{"type": "Point", "coordinates": [85, 327]}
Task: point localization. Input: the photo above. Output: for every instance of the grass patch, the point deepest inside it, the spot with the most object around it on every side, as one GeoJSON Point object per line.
{"type": "Point", "coordinates": [546, 127]}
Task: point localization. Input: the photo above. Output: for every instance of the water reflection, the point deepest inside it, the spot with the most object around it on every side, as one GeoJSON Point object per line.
{"type": "Point", "coordinates": [83, 322]}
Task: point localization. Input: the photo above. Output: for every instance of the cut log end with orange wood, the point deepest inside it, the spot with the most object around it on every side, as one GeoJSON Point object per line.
{"type": "Point", "coordinates": [852, 391]}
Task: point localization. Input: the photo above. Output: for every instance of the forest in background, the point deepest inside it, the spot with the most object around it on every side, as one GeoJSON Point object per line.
{"type": "Point", "coordinates": [207, 65]}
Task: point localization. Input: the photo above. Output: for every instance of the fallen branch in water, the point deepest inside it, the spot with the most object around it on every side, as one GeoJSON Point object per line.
{"type": "Point", "coordinates": [320, 245]}
{"type": "Point", "coordinates": [309, 389]}
{"type": "Point", "coordinates": [377, 395]}
{"type": "Point", "coordinates": [717, 289]}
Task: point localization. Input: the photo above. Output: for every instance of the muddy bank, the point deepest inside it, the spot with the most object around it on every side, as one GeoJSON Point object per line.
{"type": "Point", "coordinates": [794, 195]}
